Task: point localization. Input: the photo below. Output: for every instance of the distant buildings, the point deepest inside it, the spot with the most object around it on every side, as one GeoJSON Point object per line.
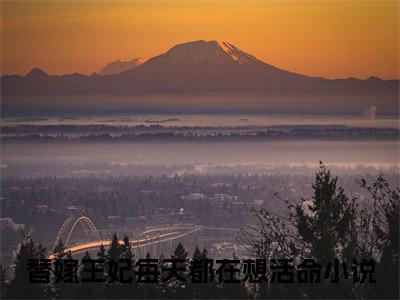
{"type": "Point", "coordinates": [258, 202]}
{"type": "Point", "coordinates": [225, 198]}
{"type": "Point", "coordinates": [194, 196]}
{"type": "Point", "coordinates": [8, 223]}
{"type": "Point", "coordinates": [217, 197]}
{"type": "Point", "coordinates": [76, 208]}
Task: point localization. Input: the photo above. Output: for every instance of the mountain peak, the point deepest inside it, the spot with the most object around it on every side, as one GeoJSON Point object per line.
{"type": "Point", "coordinates": [119, 66]}
{"type": "Point", "coordinates": [374, 78]}
{"type": "Point", "coordinates": [206, 53]}
{"type": "Point", "coordinates": [37, 73]}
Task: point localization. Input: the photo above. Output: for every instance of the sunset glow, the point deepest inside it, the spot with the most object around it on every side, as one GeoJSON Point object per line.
{"type": "Point", "coordinates": [333, 39]}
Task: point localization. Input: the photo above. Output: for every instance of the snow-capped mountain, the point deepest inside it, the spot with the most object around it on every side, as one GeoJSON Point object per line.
{"type": "Point", "coordinates": [203, 74]}
{"type": "Point", "coordinates": [209, 63]}
{"type": "Point", "coordinates": [206, 53]}
{"type": "Point", "coordinates": [120, 66]}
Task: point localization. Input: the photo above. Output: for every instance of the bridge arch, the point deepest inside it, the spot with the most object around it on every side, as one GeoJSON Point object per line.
{"type": "Point", "coordinates": [70, 224]}
{"type": "Point", "coordinates": [144, 240]}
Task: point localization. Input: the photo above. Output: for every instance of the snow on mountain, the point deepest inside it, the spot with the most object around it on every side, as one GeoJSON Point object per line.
{"type": "Point", "coordinates": [207, 64]}
{"type": "Point", "coordinates": [120, 66]}
{"type": "Point", "coordinates": [206, 53]}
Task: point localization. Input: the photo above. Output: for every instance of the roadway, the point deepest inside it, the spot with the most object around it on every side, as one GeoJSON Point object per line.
{"type": "Point", "coordinates": [138, 243]}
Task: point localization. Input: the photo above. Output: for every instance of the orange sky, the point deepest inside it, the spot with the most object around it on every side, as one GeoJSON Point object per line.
{"type": "Point", "coordinates": [334, 39]}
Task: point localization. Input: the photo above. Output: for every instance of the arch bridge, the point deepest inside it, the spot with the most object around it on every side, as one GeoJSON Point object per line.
{"type": "Point", "coordinates": [148, 238]}
{"type": "Point", "coordinates": [68, 227]}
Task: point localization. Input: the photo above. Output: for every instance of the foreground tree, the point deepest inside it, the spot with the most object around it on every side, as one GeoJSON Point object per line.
{"type": "Point", "coordinates": [126, 249]}
{"type": "Point", "coordinates": [386, 229]}
{"type": "Point", "coordinates": [174, 288]}
{"type": "Point", "coordinates": [328, 227]}
{"type": "Point", "coordinates": [326, 224]}
{"type": "Point", "coordinates": [19, 286]}
{"type": "Point", "coordinates": [180, 252]}
{"type": "Point", "coordinates": [114, 252]}
{"type": "Point", "coordinates": [88, 290]}
{"type": "Point", "coordinates": [3, 281]}
{"type": "Point", "coordinates": [59, 250]}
